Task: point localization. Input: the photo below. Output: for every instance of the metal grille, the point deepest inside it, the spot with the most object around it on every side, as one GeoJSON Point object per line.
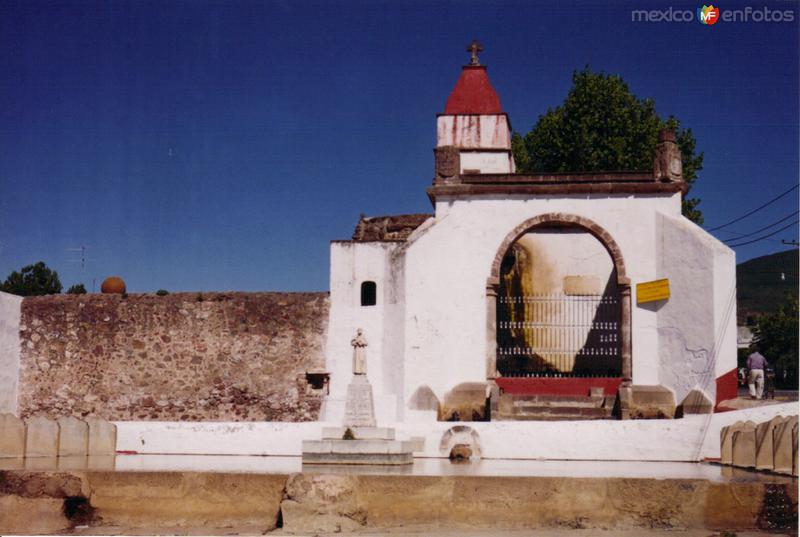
{"type": "Point", "coordinates": [558, 335]}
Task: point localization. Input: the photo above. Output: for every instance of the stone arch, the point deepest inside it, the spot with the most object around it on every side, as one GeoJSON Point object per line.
{"type": "Point", "coordinates": [563, 219]}
{"type": "Point", "coordinates": [623, 283]}
{"type": "Point", "coordinates": [460, 434]}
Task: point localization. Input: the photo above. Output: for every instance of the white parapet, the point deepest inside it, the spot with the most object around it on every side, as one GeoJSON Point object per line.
{"type": "Point", "coordinates": [691, 438]}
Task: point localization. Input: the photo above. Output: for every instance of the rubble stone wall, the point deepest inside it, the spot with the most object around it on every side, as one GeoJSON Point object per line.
{"type": "Point", "coordinates": [184, 356]}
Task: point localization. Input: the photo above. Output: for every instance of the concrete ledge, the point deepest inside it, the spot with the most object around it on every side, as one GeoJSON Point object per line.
{"type": "Point", "coordinates": [180, 498]}
{"type": "Point", "coordinates": [150, 500]}
{"type": "Point", "coordinates": [556, 502]}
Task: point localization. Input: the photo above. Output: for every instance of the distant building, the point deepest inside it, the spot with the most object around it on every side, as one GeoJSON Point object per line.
{"type": "Point", "coordinates": [744, 337]}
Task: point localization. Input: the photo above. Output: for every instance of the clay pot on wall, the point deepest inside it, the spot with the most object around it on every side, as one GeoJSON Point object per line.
{"type": "Point", "coordinates": [113, 284]}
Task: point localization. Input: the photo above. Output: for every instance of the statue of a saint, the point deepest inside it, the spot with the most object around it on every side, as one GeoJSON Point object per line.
{"type": "Point", "coordinates": [359, 344]}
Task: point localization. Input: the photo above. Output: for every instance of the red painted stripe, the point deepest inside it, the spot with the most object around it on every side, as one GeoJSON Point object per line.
{"type": "Point", "coordinates": [557, 386]}
{"type": "Point", "coordinates": [727, 387]}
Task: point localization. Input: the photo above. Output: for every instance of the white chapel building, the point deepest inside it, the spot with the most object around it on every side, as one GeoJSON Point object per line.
{"type": "Point", "coordinates": [562, 284]}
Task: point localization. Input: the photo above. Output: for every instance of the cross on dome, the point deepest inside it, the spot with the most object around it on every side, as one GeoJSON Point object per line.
{"type": "Point", "coordinates": [474, 48]}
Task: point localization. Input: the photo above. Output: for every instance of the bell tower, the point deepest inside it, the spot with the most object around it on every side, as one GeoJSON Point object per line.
{"type": "Point", "coordinates": [473, 134]}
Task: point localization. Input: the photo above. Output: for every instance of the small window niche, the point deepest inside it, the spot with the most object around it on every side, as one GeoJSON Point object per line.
{"type": "Point", "coordinates": [369, 293]}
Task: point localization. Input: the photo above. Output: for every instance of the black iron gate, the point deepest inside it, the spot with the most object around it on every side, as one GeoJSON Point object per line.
{"type": "Point", "coordinates": [558, 336]}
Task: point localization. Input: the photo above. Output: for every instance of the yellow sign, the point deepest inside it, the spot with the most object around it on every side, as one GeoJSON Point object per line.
{"type": "Point", "coordinates": [652, 291]}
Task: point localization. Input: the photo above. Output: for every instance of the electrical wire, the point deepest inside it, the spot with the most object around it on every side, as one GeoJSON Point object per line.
{"type": "Point", "coordinates": [773, 200]}
{"type": "Point", "coordinates": [765, 236]}
{"type": "Point", "coordinates": [734, 239]}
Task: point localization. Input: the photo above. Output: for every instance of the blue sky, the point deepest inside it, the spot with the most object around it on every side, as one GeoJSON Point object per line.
{"type": "Point", "coordinates": [220, 145]}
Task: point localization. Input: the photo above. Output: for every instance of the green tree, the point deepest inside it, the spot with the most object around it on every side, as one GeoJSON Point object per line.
{"type": "Point", "coordinates": [775, 336]}
{"type": "Point", "coordinates": [32, 280]}
{"type": "Point", "coordinates": [602, 126]}
{"type": "Point", "coordinates": [77, 289]}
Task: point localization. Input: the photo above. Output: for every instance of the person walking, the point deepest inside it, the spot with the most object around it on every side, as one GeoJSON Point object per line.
{"type": "Point", "coordinates": [756, 364]}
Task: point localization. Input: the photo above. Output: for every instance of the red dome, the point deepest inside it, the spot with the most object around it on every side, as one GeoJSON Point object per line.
{"type": "Point", "coordinates": [473, 93]}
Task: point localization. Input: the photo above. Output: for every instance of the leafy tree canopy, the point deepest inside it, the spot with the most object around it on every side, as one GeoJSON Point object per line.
{"type": "Point", "coordinates": [775, 336]}
{"type": "Point", "coordinates": [602, 126]}
{"type": "Point", "coordinates": [77, 289]}
{"type": "Point", "coordinates": [32, 280]}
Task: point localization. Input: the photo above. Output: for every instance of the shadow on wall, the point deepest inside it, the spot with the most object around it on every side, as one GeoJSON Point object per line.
{"type": "Point", "coordinates": [553, 318]}
{"type": "Point", "coordinates": [601, 353]}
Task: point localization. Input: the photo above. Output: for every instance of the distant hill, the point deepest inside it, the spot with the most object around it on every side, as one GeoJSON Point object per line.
{"type": "Point", "coordinates": [763, 282]}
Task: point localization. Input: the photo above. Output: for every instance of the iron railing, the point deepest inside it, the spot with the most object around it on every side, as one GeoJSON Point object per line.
{"type": "Point", "coordinates": [559, 336]}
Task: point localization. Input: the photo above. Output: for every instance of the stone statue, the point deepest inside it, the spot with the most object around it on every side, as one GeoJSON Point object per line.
{"type": "Point", "coordinates": [359, 344]}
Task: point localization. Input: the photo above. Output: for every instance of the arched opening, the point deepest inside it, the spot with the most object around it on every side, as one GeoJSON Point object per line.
{"type": "Point", "coordinates": [558, 303]}
{"type": "Point", "coordinates": [369, 293]}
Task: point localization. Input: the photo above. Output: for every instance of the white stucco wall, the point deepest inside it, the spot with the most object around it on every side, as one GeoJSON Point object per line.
{"type": "Point", "coordinates": [429, 326]}
{"type": "Point", "coordinates": [472, 161]}
{"type": "Point", "coordinates": [215, 438]}
{"type": "Point", "coordinates": [724, 308]}
{"type": "Point", "coordinates": [472, 131]}
{"type": "Point", "coordinates": [351, 264]}
{"type": "Point", "coordinates": [557, 253]}
{"type": "Point", "coordinates": [10, 309]}
{"type": "Point", "coordinates": [697, 325]}
{"type": "Point", "coordinates": [447, 269]}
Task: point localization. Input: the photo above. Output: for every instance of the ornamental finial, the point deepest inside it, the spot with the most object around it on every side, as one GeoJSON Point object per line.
{"type": "Point", "coordinates": [474, 48]}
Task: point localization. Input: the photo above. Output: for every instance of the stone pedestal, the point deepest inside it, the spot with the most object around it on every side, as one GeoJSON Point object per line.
{"type": "Point", "coordinates": [359, 441]}
{"type": "Point", "coordinates": [371, 445]}
{"type": "Point", "coordinates": [359, 410]}
{"type": "Point", "coordinates": [647, 402]}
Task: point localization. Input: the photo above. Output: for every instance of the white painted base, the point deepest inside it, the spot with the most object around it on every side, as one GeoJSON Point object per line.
{"type": "Point", "coordinates": [692, 438]}
{"type": "Point", "coordinates": [362, 433]}
{"type": "Point", "coordinates": [333, 409]}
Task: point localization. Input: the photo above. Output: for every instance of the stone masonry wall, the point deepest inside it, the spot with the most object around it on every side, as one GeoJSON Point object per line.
{"type": "Point", "coordinates": [184, 356]}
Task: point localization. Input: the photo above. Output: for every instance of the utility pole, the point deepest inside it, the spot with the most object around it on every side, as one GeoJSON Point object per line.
{"type": "Point", "coordinates": [791, 243]}
{"type": "Point", "coordinates": [82, 260]}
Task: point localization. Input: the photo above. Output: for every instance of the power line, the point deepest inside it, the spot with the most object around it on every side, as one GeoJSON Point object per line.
{"type": "Point", "coordinates": [765, 236]}
{"type": "Point", "coordinates": [776, 241]}
{"type": "Point", "coordinates": [784, 271]}
{"type": "Point", "coordinates": [734, 239]}
{"type": "Point", "coordinates": [81, 260]}
{"type": "Point", "coordinates": [773, 200]}
{"type": "Point", "coordinates": [741, 235]}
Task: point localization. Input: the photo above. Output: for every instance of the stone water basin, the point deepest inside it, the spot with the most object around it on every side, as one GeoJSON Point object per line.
{"type": "Point", "coordinates": [174, 491]}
